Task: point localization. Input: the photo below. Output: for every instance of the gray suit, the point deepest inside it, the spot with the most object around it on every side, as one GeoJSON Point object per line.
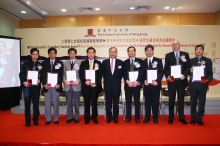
{"type": "Point", "coordinates": [72, 92]}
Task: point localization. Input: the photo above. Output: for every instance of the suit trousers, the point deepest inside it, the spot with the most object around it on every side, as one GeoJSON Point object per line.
{"type": "Point", "coordinates": [72, 95]}
{"type": "Point", "coordinates": [135, 91]}
{"type": "Point", "coordinates": [52, 96]}
{"type": "Point", "coordinates": [196, 94]}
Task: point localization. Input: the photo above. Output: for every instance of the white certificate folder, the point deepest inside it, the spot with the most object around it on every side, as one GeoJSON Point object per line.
{"type": "Point", "coordinates": [71, 76]}
{"type": "Point", "coordinates": [90, 75]}
{"type": "Point", "coordinates": [151, 74]}
{"type": "Point", "coordinates": [32, 75]}
{"type": "Point", "coordinates": [133, 75]}
{"type": "Point", "coordinates": [52, 79]}
{"type": "Point", "coordinates": [198, 72]}
{"type": "Point", "coordinates": [175, 71]}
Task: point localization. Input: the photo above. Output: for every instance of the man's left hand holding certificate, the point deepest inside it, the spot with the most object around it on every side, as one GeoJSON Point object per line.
{"type": "Point", "coordinates": [32, 78]}
{"type": "Point", "coordinates": [52, 79]}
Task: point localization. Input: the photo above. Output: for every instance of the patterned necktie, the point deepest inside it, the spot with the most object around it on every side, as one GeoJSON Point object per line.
{"type": "Point", "coordinates": [34, 67]}
{"type": "Point", "coordinates": [112, 66]}
{"type": "Point", "coordinates": [51, 65]}
{"type": "Point", "coordinates": [132, 65]}
{"type": "Point", "coordinates": [90, 65]}
{"type": "Point", "coordinates": [199, 61]}
{"type": "Point", "coordinates": [177, 58]}
{"type": "Point", "coordinates": [150, 64]}
{"type": "Point", "coordinates": [71, 64]}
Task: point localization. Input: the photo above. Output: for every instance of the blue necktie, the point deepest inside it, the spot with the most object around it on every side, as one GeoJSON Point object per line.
{"type": "Point", "coordinates": [51, 66]}
{"type": "Point", "coordinates": [34, 67]}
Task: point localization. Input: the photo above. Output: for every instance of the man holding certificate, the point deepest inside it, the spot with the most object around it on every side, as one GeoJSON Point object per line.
{"type": "Point", "coordinates": [133, 71]}
{"type": "Point", "coordinates": [90, 75]}
{"type": "Point", "coordinates": [152, 83]}
{"type": "Point", "coordinates": [72, 85]}
{"type": "Point", "coordinates": [30, 83]}
{"type": "Point", "coordinates": [201, 75]}
{"type": "Point", "coordinates": [52, 76]}
{"type": "Point", "coordinates": [176, 69]}
{"type": "Point", "coordinates": [112, 74]}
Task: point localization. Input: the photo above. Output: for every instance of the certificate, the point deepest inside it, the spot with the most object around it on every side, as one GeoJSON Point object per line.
{"type": "Point", "coordinates": [151, 75]}
{"type": "Point", "coordinates": [133, 75]}
{"type": "Point", "coordinates": [90, 75]}
{"type": "Point", "coordinates": [71, 76]}
{"type": "Point", "coordinates": [52, 79]}
{"type": "Point", "coordinates": [175, 71]}
{"type": "Point", "coordinates": [198, 72]}
{"type": "Point", "coordinates": [33, 75]}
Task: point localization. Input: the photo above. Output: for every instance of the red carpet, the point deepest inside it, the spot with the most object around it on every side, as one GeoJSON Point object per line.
{"type": "Point", "coordinates": [13, 132]}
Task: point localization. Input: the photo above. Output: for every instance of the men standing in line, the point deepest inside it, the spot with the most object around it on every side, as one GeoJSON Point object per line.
{"type": "Point", "coordinates": [89, 89]}
{"type": "Point", "coordinates": [152, 88]}
{"type": "Point", "coordinates": [178, 85]}
{"type": "Point", "coordinates": [112, 74]}
{"type": "Point", "coordinates": [198, 88]}
{"type": "Point", "coordinates": [52, 93]}
{"type": "Point", "coordinates": [32, 91]}
{"type": "Point", "coordinates": [72, 88]}
{"type": "Point", "coordinates": [132, 86]}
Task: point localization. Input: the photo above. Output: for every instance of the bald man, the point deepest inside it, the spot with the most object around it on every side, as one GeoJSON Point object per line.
{"type": "Point", "coordinates": [177, 57]}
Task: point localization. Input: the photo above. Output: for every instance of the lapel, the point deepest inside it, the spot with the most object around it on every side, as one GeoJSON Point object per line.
{"type": "Point", "coordinates": [128, 64]}
{"type": "Point", "coordinates": [87, 64]}
{"type": "Point", "coordinates": [68, 64]}
{"type": "Point", "coordinates": [109, 65]}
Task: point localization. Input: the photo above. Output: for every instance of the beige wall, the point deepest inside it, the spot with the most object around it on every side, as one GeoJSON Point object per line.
{"type": "Point", "coordinates": [7, 24]}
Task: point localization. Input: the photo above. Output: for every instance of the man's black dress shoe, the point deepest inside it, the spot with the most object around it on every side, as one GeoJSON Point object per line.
{"type": "Point", "coordinates": [183, 121]}
{"type": "Point", "coordinates": [155, 121]}
{"type": "Point", "coordinates": [95, 121]}
{"type": "Point", "coordinates": [137, 121]}
{"type": "Point", "coordinates": [69, 121]}
{"type": "Point", "coordinates": [127, 120]}
{"type": "Point", "coordinates": [146, 120]}
{"type": "Point", "coordinates": [108, 121]}
{"type": "Point", "coordinates": [170, 121]}
{"type": "Point", "coordinates": [36, 123]}
{"type": "Point", "coordinates": [76, 121]}
{"type": "Point", "coordinates": [86, 122]}
{"type": "Point", "coordinates": [27, 124]}
{"type": "Point", "coordinates": [115, 121]}
{"type": "Point", "coordinates": [200, 123]}
{"type": "Point", "coordinates": [48, 122]}
{"type": "Point", "coordinates": [56, 122]}
{"type": "Point", "coordinates": [192, 121]}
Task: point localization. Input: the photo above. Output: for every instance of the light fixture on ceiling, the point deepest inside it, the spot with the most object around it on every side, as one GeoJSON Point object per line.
{"type": "Point", "coordinates": [23, 12]}
{"type": "Point", "coordinates": [97, 9]}
{"type": "Point", "coordinates": [167, 7]}
{"type": "Point", "coordinates": [143, 8]}
{"type": "Point", "coordinates": [85, 9]}
{"type": "Point", "coordinates": [174, 8]}
{"type": "Point", "coordinates": [28, 3]}
{"type": "Point", "coordinates": [132, 8]}
{"type": "Point", "coordinates": [63, 10]}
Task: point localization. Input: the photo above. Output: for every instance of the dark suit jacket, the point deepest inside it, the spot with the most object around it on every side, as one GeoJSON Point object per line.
{"type": "Point", "coordinates": [126, 69]}
{"type": "Point", "coordinates": [112, 80]}
{"type": "Point", "coordinates": [85, 66]}
{"type": "Point", "coordinates": [170, 59]}
{"type": "Point", "coordinates": [207, 71]}
{"type": "Point", "coordinates": [28, 65]}
{"type": "Point", "coordinates": [46, 69]}
{"type": "Point", "coordinates": [160, 73]}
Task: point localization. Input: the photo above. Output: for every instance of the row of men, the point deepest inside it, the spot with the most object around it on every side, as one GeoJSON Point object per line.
{"type": "Point", "coordinates": [112, 70]}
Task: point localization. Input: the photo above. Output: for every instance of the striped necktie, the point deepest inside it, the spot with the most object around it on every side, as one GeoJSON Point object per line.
{"type": "Point", "coordinates": [177, 58]}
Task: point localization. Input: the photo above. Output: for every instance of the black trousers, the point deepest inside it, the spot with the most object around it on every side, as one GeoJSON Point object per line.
{"type": "Point", "coordinates": [135, 91]}
{"type": "Point", "coordinates": [152, 98]}
{"type": "Point", "coordinates": [180, 96]}
{"type": "Point", "coordinates": [194, 96]}
{"type": "Point", "coordinates": [34, 95]}
{"type": "Point", "coordinates": [90, 95]}
{"type": "Point", "coordinates": [112, 96]}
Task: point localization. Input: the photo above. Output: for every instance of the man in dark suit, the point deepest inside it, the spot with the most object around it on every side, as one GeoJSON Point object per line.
{"type": "Point", "coordinates": [198, 89]}
{"type": "Point", "coordinates": [90, 91]}
{"type": "Point", "coordinates": [177, 57]}
{"type": "Point", "coordinates": [33, 90]}
{"type": "Point", "coordinates": [152, 88]}
{"type": "Point", "coordinates": [112, 74]}
{"type": "Point", "coordinates": [132, 88]}
{"type": "Point", "coordinates": [52, 65]}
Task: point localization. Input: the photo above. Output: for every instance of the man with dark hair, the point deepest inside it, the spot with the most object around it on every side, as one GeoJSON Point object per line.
{"type": "Point", "coordinates": [90, 91]}
{"type": "Point", "coordinates": [72, 88]}
{"type": "Point", "coordinates": [52, 65]}
{"type": "Point", "coordinates": [178, 85]}
{"type": "Point", "coordinates": [198, 88]}
{"type": "Point", "coordinates": [112, 74]}
{"type": "Point", "coordinates": [152, 88]}
{"type": "Point", "coordinates": [132, 64]}
{"type": "Point", "coordinates": [33, 90]}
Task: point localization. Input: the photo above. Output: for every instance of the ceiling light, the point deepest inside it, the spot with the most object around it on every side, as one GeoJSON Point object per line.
{"type": "Point", "coordinates": [143, 8]}
{"type": "Point", "coordinates": [132, 8]}
{"type": "Point", "coordinates": [167, 7]}
{"type": "Point", "coordinates": [97, 9]}
{"type": "Point", "coordinates": [63, 10]}
{"type": "Point", "coordinates": [23, 12]}
{"type": "Point", "coordinates": [174, 8]}
{"type": "Point", "coordinates": [28, 3]}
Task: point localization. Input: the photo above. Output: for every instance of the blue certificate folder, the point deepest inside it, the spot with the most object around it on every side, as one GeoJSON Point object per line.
{"type": "Point", "coordinates": [25, 92]}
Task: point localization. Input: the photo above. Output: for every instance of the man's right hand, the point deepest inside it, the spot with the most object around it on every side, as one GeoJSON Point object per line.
{"type": "Point", "coordinates": [191, 69]}
{"type": "Point", "coordinates": [46, 87]}
{"type": "Point", "coordinates": [129, 83]}
{"type": "Point", "coordinates": [66, 83]}
{"type": "Point", "coordinates": [88, 83]}
{"type": "Point", "coordinates": [25, 84]}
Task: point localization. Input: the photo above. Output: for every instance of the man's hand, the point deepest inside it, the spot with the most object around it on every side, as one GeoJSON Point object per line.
{"type": "Point", "coordinates": [191, 69]}
{"type": "Point", "coordinates": [182, 77]}
{"type": "Point", "coordinates": [56, 86]}
{"type": "Point", "coordinates": [129, 83]}
{"type": "Point", "coordinates": [135, 84]}
{"type": "Point", "coordinates": [88, 83]}
{"type": "Point", "coordinates": [146, 83]}
{"type": "Point", "coordinates": [46, 87]}
{"type": "Point", "coordinates": [93, 85]}
{"type": "Point", "coordinates": [38, 81]}
{"type": "Point", "coordinates": [154, 83]}
{"type": "Point", "coordinates": [25, 84]}
{"type": "Point", "coordinates": [66, 83]}
{"type": "Point", "coordinates": [76, 83]}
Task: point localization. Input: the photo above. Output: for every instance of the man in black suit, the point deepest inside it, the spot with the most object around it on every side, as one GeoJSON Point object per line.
{"type": "Point", "coordinates": [132, 88]}
{"type": "Point", "coordinates": [52, 93]}
{"type": "Point", "coordinates": [90, 91]}
{"type": "Point", "coordinates": [33, 90]}
{"type": "Point", "coordinates": [152, 88]}
{"type": "Point", "coordinates": [198, 89]}
{"type": "Point", "coordinates": [177, 57]}
{"type": "Point", "coordinates": [112, 74]}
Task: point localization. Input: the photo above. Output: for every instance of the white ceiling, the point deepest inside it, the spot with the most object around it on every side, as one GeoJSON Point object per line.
{"type": "Point", "coordinates": [53, 7]}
